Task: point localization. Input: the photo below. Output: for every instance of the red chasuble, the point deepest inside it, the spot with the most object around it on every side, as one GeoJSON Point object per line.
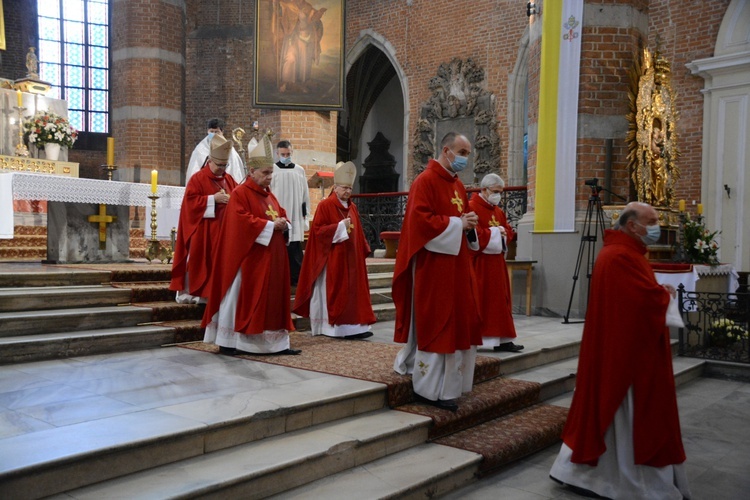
{"type": "Point", "coordinates": [625, 343]}
{"type": "Point", "coordinates": [196, 235]}
{"type": "Point", "coordinates": [347, 288]}
{"type": "Point", "coordinates": [492, 273]}
{"type": "Point", "coordinates": [446, 310]}
{"type": "Point", "coordinates": [265, 296]}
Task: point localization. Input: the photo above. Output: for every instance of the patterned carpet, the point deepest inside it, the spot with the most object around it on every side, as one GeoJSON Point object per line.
{"type": "Point", "coordinates": [362, 360]}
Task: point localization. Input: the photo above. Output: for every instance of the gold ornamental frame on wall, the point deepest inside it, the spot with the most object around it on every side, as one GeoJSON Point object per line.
{"type": "Point", "coordinates": [298, 58]}
{"type": "Point", "coordinates": [652, 134]}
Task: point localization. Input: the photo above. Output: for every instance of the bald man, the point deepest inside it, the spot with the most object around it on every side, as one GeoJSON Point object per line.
{"type": "Point", "coordinates": [622, 438]}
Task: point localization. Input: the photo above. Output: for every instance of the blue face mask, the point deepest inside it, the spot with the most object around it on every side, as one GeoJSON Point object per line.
{"type": "Point", "coordinates": [210, 137]}
{"type": "Point", "coordinates": [653, 233]}
{"type": "Point", "coordinates": [286, 160]}
{"type": "Point", "coordinates": [459, 162]}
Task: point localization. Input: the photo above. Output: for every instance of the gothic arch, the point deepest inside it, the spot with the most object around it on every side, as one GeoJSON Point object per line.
{"type": "Point", "coordinates": [362, 49]}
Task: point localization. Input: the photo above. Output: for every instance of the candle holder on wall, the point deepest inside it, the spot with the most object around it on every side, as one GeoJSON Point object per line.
{"type": "Point", "coordinates": [155, 250]}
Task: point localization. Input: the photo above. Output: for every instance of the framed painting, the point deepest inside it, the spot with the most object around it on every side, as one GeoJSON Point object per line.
{"type": "Point", "coordinates": [298, 59]}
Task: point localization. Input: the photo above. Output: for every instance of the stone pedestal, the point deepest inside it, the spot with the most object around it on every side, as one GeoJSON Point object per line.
{"type": "Point", "coordinates": [72, 239]}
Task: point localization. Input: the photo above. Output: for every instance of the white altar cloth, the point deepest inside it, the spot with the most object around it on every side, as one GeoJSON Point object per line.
{"type": "Point", "coordinates": [690, 278]}
{"type": "Point", "coordinates": [28, 186]}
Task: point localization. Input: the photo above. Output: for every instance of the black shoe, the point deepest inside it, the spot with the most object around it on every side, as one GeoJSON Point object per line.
{"type": "Point", "coordinates": [227, 351]}
{"type": "Point", "coordinates": [289, 352]}
{"type": "Point", "coordinates": [443, 404]}
{"type": "Point", "coordinates": [358, 336]}
{"type": "Point", "coordinates": [508, 347]}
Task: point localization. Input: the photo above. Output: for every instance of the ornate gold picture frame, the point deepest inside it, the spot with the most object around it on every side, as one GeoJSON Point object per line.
{"type": "Point", "coordinates": [298, 59]}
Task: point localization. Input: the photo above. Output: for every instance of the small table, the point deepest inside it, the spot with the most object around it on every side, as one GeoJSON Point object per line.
{"type": "Point", "coordinates": [521, 265]}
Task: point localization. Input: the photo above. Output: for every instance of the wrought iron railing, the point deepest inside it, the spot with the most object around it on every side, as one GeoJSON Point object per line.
{"type": "Point", "coordinates": [716, 325]}
{"type": "Point", "coordinates": [385, 211]}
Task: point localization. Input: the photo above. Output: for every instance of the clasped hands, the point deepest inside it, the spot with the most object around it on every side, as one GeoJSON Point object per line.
{"type": "Point", "coordinates": [469, 220]}
{"type": "Point", "coordinates": [279, 224]}
{"type": "Point", "coordinates": [221, 197]}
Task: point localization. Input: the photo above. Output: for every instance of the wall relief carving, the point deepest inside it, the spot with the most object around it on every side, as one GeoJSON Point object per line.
{"type": "Point", "coordinates": [459, 102]}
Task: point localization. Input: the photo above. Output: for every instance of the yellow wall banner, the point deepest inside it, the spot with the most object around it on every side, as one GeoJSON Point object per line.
{"type": "Point", "coordinates": [562, 23]}
{"type": "Point", "coordinates": [2, 27]}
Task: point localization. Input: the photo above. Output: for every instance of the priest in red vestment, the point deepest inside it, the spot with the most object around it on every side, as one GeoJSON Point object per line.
{"type": "Point", "coordinates": [250, 298]}
{"type": "Point", "coordinates": [206, 197]}
{"type": "Point", "coordinates": [333, 290]}
{"type": "Point", "coordinates": [622, 438]}
{"type": "Point", "coordinates": [434, 288]}
{"type": "Point", "coordinates": [494, 233]}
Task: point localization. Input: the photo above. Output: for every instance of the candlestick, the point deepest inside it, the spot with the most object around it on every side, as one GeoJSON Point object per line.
{"type": "Point", "coordinates": [700, 209]}
{"type": "Point", "coordinates": [20, 98]}
{"type": "Point", "coordinates": [682, 205]}
{"type": "Point", "coordinates": [21, 149]}
{"type": "Point", "coordinates": [155, 249]}
{"type": "Point", "coordinates": [154, 175]}
{"type": "Point", "coordinates": [110, 150]}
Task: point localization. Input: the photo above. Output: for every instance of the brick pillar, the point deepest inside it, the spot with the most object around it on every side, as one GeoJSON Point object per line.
{"type": "Point", "coordinates": [148, 82]}
{"type": "Point", "coordinates": [313, 138]}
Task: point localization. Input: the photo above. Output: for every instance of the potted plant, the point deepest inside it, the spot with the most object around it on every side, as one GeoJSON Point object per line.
{"type": "Point", "coordinates": [699, 243]}
{"type": "Point", "coordinates": [726, 333]}
{"type": "Point", "coordinates": [49, 131]}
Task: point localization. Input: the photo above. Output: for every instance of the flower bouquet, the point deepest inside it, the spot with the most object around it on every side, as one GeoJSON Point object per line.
{"type": "Point", "coordinates": [699, 243]}
{"type": "Point", "coordinates": [46, 127]}
{"type": "Point", "coordinates": [725, 333]}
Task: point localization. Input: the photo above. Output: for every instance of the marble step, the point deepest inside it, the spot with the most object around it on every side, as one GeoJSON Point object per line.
{"type": "Point", "coordinates": [380, 280]}
{"type": "Point", "coordinates": [34, 276]}
{"type": "Point", "coordinates": [61, 297]}
{"type": "Point", "coordinates": [273, 465]}
{"type": "Point", "coordinates": [42, 346]}
{"type": "Point", "coordinates": [233, 440]}
{"type": "Point", "coordinates": [423, 471]}
{"type": "Point", "coordinates": [558, 379]}
{"type": "Point", "coordinates": [383, 312]}
{"type": "Point", "coordinates": [71, 320]}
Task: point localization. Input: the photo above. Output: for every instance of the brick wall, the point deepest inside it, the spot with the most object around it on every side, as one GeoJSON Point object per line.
{"type": "Point", "coordinates": [20, 34]}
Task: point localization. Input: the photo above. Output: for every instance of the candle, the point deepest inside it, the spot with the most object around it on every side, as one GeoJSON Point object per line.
{"type": "Point", "coordinates": [682, 205]}
{"type": "Point", "coordinates": [20, 98]}
{"type": "Point", "coordinates": [154, 175]}
{"type": "Point", "coordinates": [110, 150]}
{"type": "Point", "coordinates": [700, 208]}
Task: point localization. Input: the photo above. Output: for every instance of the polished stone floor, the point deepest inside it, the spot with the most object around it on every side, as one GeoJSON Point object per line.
{"type": "Point", "coordinates": [85, 392]}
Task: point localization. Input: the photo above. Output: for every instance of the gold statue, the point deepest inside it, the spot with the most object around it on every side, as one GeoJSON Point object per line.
{"type": "Point", "coordinates": [652, 138]}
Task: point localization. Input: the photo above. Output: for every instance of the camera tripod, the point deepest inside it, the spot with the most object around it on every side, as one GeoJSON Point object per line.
{"type": "Point", "coordinates": [592, 224]}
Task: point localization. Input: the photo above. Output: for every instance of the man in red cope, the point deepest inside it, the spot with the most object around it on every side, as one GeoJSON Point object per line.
{"type": "Point", "coordinates": [622, 437]}
{"type": "Point", "coordinates": [434, 289]}
{"type": "Point", "coordinates": [206, 197]}
{"type": "Point", "coordinates": [250, 298]}
{"type": "Point", "coordinates": [494, 233]}
{"type": "Point", "coordinates": [333, 289]}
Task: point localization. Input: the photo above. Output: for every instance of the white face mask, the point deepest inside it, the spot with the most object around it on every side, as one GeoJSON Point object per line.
{"type": "Point", "coordinates": [495, 198]}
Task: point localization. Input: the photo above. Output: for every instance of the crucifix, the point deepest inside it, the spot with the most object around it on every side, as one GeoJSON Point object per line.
{"type": "Point", "coordinates": [456, 200]}
{"type": "Point", "coordinates": [102, 219]}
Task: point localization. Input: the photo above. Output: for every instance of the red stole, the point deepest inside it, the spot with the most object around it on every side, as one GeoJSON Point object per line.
{"type": "Point", "coordinates": [347, 287]}
{"type": "Point", "coordinates": [492, 273]}
{"type": "Point", "coordinates": [196, 234]}
{"type": "Point", "coordinates": [625, 344]}
{"type": "Point", "coordinates": [265, 296]}
{"type": "Point", "coordinates": [445, 304]}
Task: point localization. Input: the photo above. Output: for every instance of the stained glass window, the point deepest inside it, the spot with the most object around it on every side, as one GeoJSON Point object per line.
{"type": "Point", "coordinates": [74, 58]}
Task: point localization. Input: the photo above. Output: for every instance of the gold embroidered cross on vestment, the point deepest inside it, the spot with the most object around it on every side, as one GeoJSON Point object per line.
{"type": "Point", "coordinates": [494, 222]}
{"type": "Point", "coordinates": [272, 213]}
{"type": "Point", "coordinates": [456, 200]}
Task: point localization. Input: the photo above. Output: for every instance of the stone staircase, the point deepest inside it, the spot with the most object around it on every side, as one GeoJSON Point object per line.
{"type": "Point", "coordinates": [302, 439]}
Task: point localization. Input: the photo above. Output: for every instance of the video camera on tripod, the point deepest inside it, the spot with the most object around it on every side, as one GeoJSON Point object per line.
{"type": "Point", "coordinates": [595, 187]}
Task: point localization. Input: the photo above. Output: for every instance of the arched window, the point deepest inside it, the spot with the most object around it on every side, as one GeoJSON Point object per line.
{"type": "Point", "coordinates": [74, 58]}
